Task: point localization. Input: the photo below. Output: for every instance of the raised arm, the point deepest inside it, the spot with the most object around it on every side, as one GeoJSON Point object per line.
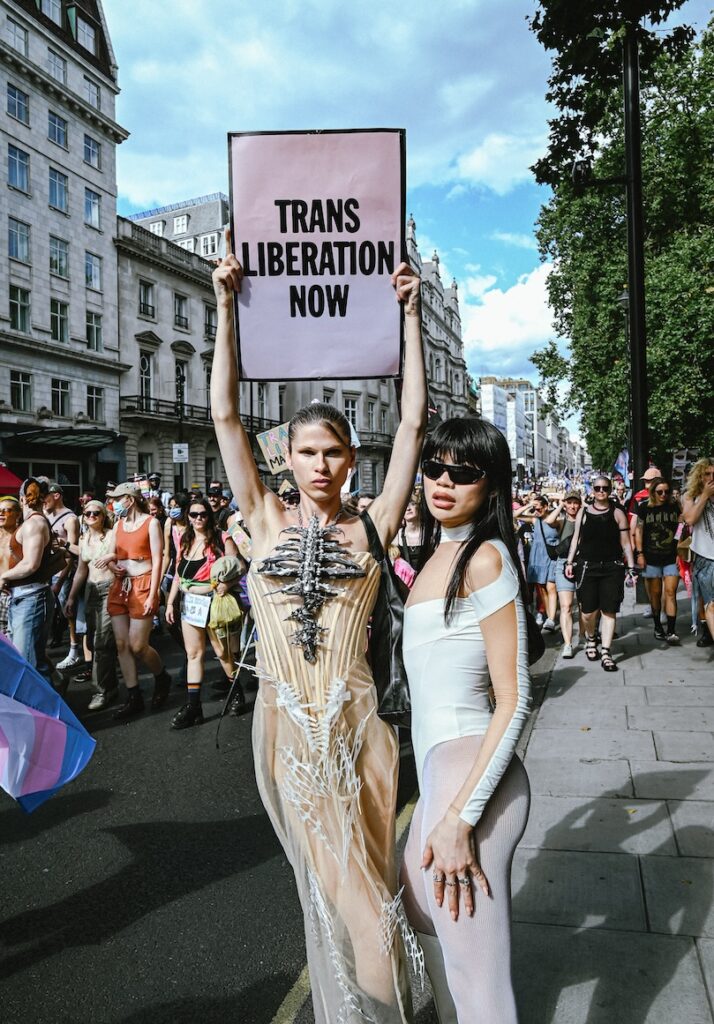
{"type": "Point", "coordinates": [693, 508]}
{"type": "Point", "coordinates": [387, 510]}
{"type": "Point", "coordinates": [552, 518]}
{"type": "Point", "coordinates": [233, 440]}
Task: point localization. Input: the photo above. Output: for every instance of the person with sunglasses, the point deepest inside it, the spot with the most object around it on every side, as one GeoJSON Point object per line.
{"type": "Point", "coordinates": [94, 582]}
{"type": "Point", "coordinates": [541, 565]}
{"type": "Point", "coordinates": [563, 518]}
{"type": "Point", "coordinates": [465, 629]}
{"type": "Point", "coordinates": [134, 556]}
{"type": "Point", "coordinates": [656, 554]}
{"type": "Point", "coordinates": [199, 547]}
{"type": "Point", "coordinates": [699, 515]}
{"type": "Point", "coordinates": [600, 541]}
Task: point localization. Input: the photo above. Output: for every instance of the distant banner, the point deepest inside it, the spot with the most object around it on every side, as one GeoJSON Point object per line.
{"type": "Point", "coordinates": [317, 222]}
{"type": "Point", "coordinates": [682, 461]}
{"type": "Point", "coordinates": [274, 446]}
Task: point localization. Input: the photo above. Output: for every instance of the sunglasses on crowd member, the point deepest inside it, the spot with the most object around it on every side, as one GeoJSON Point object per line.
{"type": "Point", "coordinates": [92, 515]}
{"type": "Point", "coordinates": [433, 469]}
{"type": "Point", "coordinates": [601, 487]}
{"type": "Point", "coordinates": [662, 490]}
{"type": "Point", "coordinates": [198, 515]}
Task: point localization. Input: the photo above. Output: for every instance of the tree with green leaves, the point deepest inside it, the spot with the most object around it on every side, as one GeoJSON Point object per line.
{"type": "Point", "coordinates": [582, 231]}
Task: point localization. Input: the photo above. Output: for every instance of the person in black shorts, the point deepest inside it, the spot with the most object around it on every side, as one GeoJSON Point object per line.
{"type": "Point", "coordinates": [600, 540]}
{"type": "Point", "coordinates": [657, 520]}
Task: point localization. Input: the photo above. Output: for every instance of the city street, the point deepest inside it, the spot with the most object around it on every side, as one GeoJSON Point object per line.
{"type": "Point", "coordinates": [153, 889]}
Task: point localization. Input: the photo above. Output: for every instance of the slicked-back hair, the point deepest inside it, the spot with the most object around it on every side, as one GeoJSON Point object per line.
{"type": "Point", "coordinates": [326, 416]}
{"type": "Point", "coordinates": [474, 442]}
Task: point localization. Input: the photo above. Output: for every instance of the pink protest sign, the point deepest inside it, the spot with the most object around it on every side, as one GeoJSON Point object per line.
{"type": "Point", "coordinates": [317, 221]}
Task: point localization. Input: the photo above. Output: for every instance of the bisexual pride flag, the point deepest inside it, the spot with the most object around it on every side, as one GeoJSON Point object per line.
{"type": "Point", "coordinates": [42, 744]}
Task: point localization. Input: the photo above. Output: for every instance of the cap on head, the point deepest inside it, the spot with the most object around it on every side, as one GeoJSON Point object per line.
{"type": "Point", "coordinates": [214, 492]}
{"type": "Point", "coordinates": [126, 490]}
{"type": "Point", "coordinates": [95, 506]}
{"type": "Point", "coordinates": [54, 489]}
{"type": "Point", "coordinates": [574, 496]}
{"type": "Point", "coordinates": [650, 473]}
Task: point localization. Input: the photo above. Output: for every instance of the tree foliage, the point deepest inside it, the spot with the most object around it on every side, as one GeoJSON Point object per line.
{"type": "Point", "coordinates": [583, 232]}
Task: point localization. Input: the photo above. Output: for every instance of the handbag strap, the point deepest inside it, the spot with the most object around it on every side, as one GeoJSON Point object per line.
{"type": "Point", "coordinates": [375, 545]}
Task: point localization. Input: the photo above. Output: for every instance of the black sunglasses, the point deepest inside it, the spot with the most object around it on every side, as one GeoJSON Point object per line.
{"type": "Point", "coordinates": [92, 515]}
{"type": "Point", "coordinates": [198, 515]}
{"type": "Point", "coordinates": [599, 487]}
{"type": "Point", "coordinates": [433, 469]}
{"type": "Point", "coordinates": [663, 491]}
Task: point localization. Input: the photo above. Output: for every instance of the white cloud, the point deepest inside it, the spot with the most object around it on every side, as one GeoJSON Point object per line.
{"type": "Point", "coordinates": [520, 241]}
{"type": "Point", "coordinates": [501, 328]}
{"type": "Point", "coordinates": [475, 287]}
{"type": "Point", "coordinates": [501, 161]}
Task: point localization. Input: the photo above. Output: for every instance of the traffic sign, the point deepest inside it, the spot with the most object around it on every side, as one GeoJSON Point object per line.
{"type": "Point", "coordinates": [180, 452]}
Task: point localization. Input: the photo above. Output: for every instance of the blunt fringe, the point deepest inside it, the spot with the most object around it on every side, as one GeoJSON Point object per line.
{"type": "Point", "coordinates": [475, 442]}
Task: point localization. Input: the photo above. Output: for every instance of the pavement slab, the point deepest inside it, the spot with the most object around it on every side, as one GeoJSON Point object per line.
{"type": "Point", "coordinates": [584, 694]}
{"type": "Point", "coordinates": [607, 825]}
{"type": "Point", "coordinates": [555, 715]}
{"type": "Point", "coordinates": [684, 746]}
{"type": "Point", "coordinates": [594, 976]}
{"type": "Point", "coordinates": [650, 677]}
{"type": "Point", "coordinates": [706, 957]}
{"type": "Point", "coordinates": [588, 890]}
{"type": "Point", "coordinates": [594, 743]}
{"type": "Point", "coordinates": [681, 696]}
{"type": "Point", "coordinates": [693, 822]}
{"type": "Point", "coordinates": [658, 719]}
{"type": "Point", "coordinates": [667, 780]}
{"type": "Point", "coordinates": [554, 776]}
{"type": "Point", "coordinates": [679, 893]}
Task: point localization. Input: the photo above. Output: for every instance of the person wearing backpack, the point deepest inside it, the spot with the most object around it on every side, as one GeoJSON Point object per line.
{"type": "Point", "coordinates": [563, 517]}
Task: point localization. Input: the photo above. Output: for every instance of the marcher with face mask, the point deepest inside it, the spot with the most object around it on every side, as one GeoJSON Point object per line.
{"type": "Point", "coordinates": [326, 764]}
{"type": "Point", "coordinates": [135, 554]}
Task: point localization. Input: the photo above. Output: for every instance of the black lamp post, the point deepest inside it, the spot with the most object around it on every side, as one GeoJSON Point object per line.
{"type": "Point", "coordinates": [180, 392]}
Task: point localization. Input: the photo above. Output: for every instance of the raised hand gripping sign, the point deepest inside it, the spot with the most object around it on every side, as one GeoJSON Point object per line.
{"type": "Point", "coordinates": [317, 221]}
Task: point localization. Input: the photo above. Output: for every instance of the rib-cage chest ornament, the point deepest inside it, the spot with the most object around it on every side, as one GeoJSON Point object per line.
{"type": "Point", "coordinates": [310, 555]}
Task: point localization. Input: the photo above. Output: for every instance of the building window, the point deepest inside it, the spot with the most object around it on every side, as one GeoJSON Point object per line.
{"type": "Point", "coordinates": [383, 421]}
{"type": "Point", "coordinates": [370, 416]}
{"type": "Point", "coordinates": [86, 36]}
{"type": "Point", "coordinates": [59, 321]}
{"type": "Point", "coordinates": [59, 257]}
{"type": "Point", "coordinates": [281, 403]}
{"type": "Point", "coordinates": [181, 224]}
{"type": "Point", "coordinates": [92, 152]}
{"type": "Point", "coordinates": [180, 311]}
{"type": "Point", "coordinates": [59, 190]}
{"type": "Point", "coordinates": [145, 374]}
{"type": "Point", "coordinates": [19, 309]}
{"type": "Point", "coordinates": [92, 208]}
{"type": "Point", "coordinates": [93, 271]}
{"type": "Point", "coordinates": [92, 93]}
{"type": "Point", "coordinates": [208, 369]}
{"type": "Point", "coordinates": [95, 403]}
{"type": "Point", "coordinates": [94, 331]}
{"type": "Point", "coordinates": [181, 369]}
{"type": "Point", "coordinates": [157, 228]}
{"type": "Point", "coordinates": [57, 129]}
{"type": "Point", "coordinates": [262, 401]}
{"type": "Point", "coordinates": [17, 36]}
{"type": "Point", "coordinates": [146, 299]}
{"type": "Point", "coordinates": [53, 10]}
{"type": "Point", "coordinates": [18, 240]}
{"type": "Point", "coordinates": [57, 66]}
{"type": "Point", "coordinates": [21, 391]}
{"type": "Point", "coordinates": [210, 321]}
{"type": "Point", "coordinates": [188, 244]}
{"type": "Point", "coordinates": [209, 244]}
{"type": "Point", "coordinates": [18, 168]}
{"type": "Point", "coordinates": [60, 397]}
{"type": "Point", "coordinates": [327, 396]}
{"type": "Point", "coordinates": [351, 411]}
{"type": "Point", "coordinates": [18, 104]}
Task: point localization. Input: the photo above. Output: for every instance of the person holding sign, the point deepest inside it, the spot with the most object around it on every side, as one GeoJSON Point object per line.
{"type": "Point", "coordinates": [199, 548]}
{"type": "Point", "coordinates": [326, 764]}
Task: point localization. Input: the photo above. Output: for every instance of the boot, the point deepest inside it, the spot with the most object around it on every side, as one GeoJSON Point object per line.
{"type": "Point", "coordinates": [188, 715]}
{"type": "Point", "coordinates": [434, 962]}
{"type": "Point", "coordinates": [133, 706]}
{"type": "Point", "coordinates": [705, 637]}
{"type": "Point", "coordinates": [162, 686]}
{"type": "Point", "coordinates": [238, 705]}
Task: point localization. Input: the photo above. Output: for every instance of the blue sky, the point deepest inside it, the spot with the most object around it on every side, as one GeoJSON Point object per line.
{"type": "Point", "coordinates": [466, 80]}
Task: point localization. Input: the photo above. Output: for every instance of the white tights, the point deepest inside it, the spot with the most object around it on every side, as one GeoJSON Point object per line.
{"type": "Point", "coordinates": [476, 950]}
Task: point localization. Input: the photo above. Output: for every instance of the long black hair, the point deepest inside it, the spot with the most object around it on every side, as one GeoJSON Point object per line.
{"type": "Point", "coordinates": [475, 442]}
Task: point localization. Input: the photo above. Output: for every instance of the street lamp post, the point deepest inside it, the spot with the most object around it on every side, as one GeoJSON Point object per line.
{"type": "Point", "coordinates": [623, 301]}
{"type": "Point", "coordinates": [180, 391]}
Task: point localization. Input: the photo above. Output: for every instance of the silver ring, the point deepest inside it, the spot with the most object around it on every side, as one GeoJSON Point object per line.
{"type": "Point", "coordinates": [465, 882]}
{"type": "Point", "coordinates": [438, 878]}
{"type": "Point", "coordinates": [451, 884]}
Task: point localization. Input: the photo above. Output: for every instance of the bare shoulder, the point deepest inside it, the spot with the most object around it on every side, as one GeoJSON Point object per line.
{"type": "Point", "coordinates": [485, 566]}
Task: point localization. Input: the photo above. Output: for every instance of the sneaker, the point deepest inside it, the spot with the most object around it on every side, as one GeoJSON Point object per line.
{"type": "Point", "coordinates": [548, 626]}
{"type": "Point", "coordinates": [567, 651]}
{"type": "Point", "coordinates": [659, 632]}
{"type": "Point", "coordinates": [85, 675]}
{"type": "Point", "coordinates": [72, 658]}
{"type": "Point", "coordinates": [133, 705]}
{"type": "Point", "coordinates": [540, 619]}
{"type": "Point", "coordinates": [647, 613]}
{"type": "Point", "coordinates": [672, 639]}
{"type": "Point", "coordinates": [102, 700]}
{"type": "Point", "coordinates": [188, 715]}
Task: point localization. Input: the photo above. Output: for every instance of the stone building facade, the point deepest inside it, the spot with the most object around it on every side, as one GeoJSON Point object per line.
{"type": "Point", "coordinates": [59, 390]}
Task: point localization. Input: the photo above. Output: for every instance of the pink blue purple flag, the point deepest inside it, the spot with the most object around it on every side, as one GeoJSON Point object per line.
{"type": "Point", "coordinates": [43, 745]}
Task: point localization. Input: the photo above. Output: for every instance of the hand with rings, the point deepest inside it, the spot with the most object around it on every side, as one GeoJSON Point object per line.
{"type": "Point", "coordinates": [450, 851]}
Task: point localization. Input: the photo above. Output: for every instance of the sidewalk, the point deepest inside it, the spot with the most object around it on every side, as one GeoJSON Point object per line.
{"type": "Point", "coordinates": [613, 882]}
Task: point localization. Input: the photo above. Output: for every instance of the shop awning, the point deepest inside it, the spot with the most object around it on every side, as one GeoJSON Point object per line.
{"type": "Point", "coordinates": [58, 437]}
{"type": "Point", "coordinates": [9, 483]}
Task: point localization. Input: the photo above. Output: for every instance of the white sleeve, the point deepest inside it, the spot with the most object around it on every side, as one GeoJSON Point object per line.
{"type": "Point", "coordinates": [486, 601]}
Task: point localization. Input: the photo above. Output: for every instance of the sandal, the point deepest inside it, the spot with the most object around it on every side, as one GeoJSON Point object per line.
{"type": "Point", "coordinates": [591, 652]}
{"type": "Point", "coordinates": [606, 660]}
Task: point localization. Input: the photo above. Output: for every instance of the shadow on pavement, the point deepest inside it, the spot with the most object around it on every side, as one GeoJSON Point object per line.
{"type": "Point", "coordinates": [623, 979]}
{"type": "Point", "coordinates": [257, 1002]}
{"type": "Point", "coordinates": [207, 851]}
{"type": "Point", "coordinates": [16, 827]}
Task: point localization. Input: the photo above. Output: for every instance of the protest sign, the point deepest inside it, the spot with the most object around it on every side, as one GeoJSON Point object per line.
{"type": "Point", "coordinates": [274, 446]}
{"type": "Point", "coordinates": [195, 608]}
{"type": "Point", "coordinates": [317, 222]}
